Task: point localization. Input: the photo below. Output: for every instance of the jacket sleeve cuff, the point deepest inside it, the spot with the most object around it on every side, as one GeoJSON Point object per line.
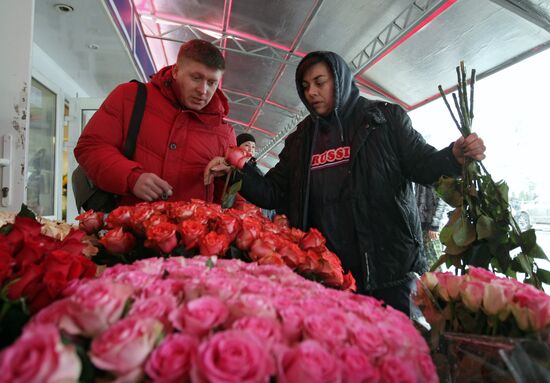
{"type": "Point", "coordinates": [133, 177]}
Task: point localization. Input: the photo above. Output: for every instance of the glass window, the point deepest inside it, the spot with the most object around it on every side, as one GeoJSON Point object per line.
{"type": "Point", "coordinates": [41, 164]}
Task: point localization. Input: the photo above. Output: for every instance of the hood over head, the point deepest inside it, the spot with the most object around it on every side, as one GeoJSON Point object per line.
{"type": "Point", "coordinates": [346, 92]}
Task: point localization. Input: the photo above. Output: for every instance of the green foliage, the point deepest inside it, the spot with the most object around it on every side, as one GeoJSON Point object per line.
{"type": "Point", "coordinates": [481, 230]}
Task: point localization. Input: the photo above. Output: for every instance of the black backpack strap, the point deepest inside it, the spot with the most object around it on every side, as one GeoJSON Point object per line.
{"type": "Point", "coordinates": [135, 120]}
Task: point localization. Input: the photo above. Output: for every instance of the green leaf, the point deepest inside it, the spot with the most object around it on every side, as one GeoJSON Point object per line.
{"type": "Point", "coordinates": [526, 264]}
{"type": "Point", "coordinates": [210, 263]}
{"type": "Point", "coordinates": [26, 212]}
{"type": "Point", "coordinates": [229, 198]}
{"type": "Point", "coordinates": [544, 275]}
{"type": "Point", "coordinates": [464, 232]}
{"type": "Point", "coordinates": [484, 227]}
{"type": "Point", "coordinates": [5, 230]}
{"type": "Point", "coordinates": [448, 189]}
{"type": "Point", "coordinates": [481, 255]}
{"type": "Point", "coordinates": [536, 252]}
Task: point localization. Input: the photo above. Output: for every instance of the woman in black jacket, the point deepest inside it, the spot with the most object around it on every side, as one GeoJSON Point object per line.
{"type": "Point", "coordinates": [347, 171]}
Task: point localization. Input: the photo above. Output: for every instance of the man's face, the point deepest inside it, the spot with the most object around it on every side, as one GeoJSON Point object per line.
{"type": "Point", "coordinates": [318, 85]}
{"type": "Point", "coordinates": [196, 83]}
{"type": "Point", "coordinates": [250, 147]}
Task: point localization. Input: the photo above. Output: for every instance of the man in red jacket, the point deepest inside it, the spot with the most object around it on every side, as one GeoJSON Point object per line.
{"type": "Point", "coordinates": [181, 131]}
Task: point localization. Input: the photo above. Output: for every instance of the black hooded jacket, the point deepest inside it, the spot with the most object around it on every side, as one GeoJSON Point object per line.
{"type": "Point", "coordinates": [386, 155]}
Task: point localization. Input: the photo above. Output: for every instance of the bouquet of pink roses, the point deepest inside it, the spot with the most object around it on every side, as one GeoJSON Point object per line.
{"type": "Point", "coordinates": [213, 320]}
{"type": "Point", "coordinates": [197, 227]}
{"type": "Point", "coordinates": [481, 303]}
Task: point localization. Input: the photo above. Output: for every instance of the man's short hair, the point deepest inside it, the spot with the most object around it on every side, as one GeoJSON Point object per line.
{"type": "Point", "coordinates": [203, 52]}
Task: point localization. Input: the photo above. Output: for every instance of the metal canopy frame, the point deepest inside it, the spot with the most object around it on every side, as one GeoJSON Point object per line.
{"type": "Point", "coordinates": [405, 23]}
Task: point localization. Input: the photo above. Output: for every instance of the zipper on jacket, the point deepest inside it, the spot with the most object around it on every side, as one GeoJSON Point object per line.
{"type": "Point", "coordinates": [367, 284]}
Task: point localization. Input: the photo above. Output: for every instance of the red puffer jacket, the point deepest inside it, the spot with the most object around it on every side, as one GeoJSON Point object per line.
{"type": "Point", "coordinates": [174, 143]}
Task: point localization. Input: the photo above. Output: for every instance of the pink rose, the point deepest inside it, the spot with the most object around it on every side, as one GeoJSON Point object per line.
{"type": "Point", "coordinates": [39, 356]}
{"type": "Point", "coordinates": [472, 294]}
{"type": "Point", "coordinates": [232, 356]}
{"type": "Point", "coordinates": [308, 362]}
{"type": "Point", "coordinates": [90, 221]}
{"type": "Point", "coordinates": [449, 286]}
{"type": "Point", "coordinates": [123, 348]}
{"type": "Point", "coordinates": [94, 307]}
{"type": "Point", "coordinates": [200, 315]}
{"type": "Point", "coordinates": [116, 241]}
{"type": "Point", "coordinates": [171, 362]}
{"type": "Point", "coordinates": [396, 370]}
{"type": "Point", "coordinates": [268, 330]}
{"type": "Point", "coordinates": [368, 338]}
{"type": "Point", "coordinates": [292, 318]}
{"type": "Point", "coordinates": [326, 328]}
{"type": "Point", "coordinates": [158, 308]}
{"type": "Point", "coordinates": [357, 367]}
{"type": "Point", "coordinates": [497, 298]}
{"type": "Point", "coordinates": [480, 274]}
{"type": "Point", "coordinates": [426, 367]}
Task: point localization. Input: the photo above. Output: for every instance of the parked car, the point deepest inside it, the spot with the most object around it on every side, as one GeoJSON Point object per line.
{"type": "Point", "coordinates": [538, 210]}
{"type": "Point", "coordinates": [520, 214]}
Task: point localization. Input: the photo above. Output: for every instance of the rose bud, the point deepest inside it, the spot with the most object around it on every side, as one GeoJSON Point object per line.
{"type": "Point", "coordinates": [214, 244]}
{"type": "Point", "coordinates": [237, 157]}
{"type": "Point", "coordinates": [90, 221]}
{"type": "Point", "coordinates": [163, 235]}
{"type": "Point", "coordinates": [192, 232]}
{"type": "Point", "coordinates": [313, 240]}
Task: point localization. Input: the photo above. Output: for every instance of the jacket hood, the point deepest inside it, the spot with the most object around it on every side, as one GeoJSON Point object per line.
{"type": "Point", "coordinates": [346, 92]}
{"type": "Point", "coordinates": [163, 80]}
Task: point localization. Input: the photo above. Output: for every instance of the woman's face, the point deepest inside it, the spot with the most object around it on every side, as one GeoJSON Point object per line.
{"type": "Point", "coordinates": [318, 86]}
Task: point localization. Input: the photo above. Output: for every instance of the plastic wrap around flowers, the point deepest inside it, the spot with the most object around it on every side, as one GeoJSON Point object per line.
{"type": "Point", "coordinates": [479, 302]}
{"type": "Point", "coordinates": [202, 320]}
{"type": "Point", "coordinates": [196, 227]}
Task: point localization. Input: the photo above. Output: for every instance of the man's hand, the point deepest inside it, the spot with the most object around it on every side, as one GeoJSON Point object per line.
{"type": "Point", "coordinates": [216, 167]}
{"type": "Point", "coordinates": [150, 187]}
{"type": "Point", "coordinates": [471, 146]}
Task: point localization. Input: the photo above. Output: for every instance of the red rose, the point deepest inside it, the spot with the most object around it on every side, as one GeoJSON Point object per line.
{"type": "Point", "coordinates": [116, 241]}
{"type": "Point", "coordinates": [349, 283]}
{"type": "Point", "coordinates": [262, 247]}
{"type": "Point", "coordinates": [24, 228]}
{"type": "Point", "coordinates": [180, 211]}
{"type": "Point", "coordinates": [214, 244]}
{"type": "Point", "coordinates": [313, 240]}
{"type": "Point", "coordinates": [310, 262]}
{"type": "Point", "coordinates": [163, 235]}
{"type": "Point", "coordinates": [73, 243]}
{"type": "Point", "coordinates": [228, 225]}
{"type": "Point", "coordinates": [237, 156]}
{"type": "Point", "coordinates": [28, 284]}
{"type": "Point", "coordinates": [31, 252]}
{"type": "Point", "coordinates": [6, 265]}
{"type": "Point", "coordinates": [155, 219]}
{"type": "Point", "coordinates": [192, 232]}
{"type": "Point", "coordinates": [281, 220]}
{"type": "Point", "coordinates": [271, 259]}
{"type": "Point", "coordinates": [119, 217]}
{"type": "Point", "coordinates": [90, 221]}
{"type": "Point", "coordinates": [140, 214]}
{"type": "Point", "coordinates": [292, 254]}
{"type": "Point", "coordinates": [251, 228]}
